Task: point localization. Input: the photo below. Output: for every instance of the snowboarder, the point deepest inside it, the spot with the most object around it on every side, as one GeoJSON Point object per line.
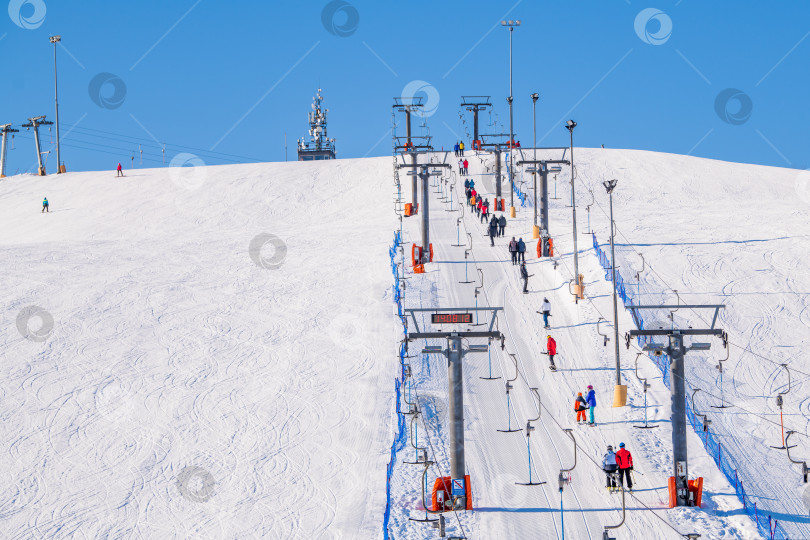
{"type": "Point", "coordinates": [625, 462]}
{"type": "Point", "coordinates": [513, 250]}
{"type": "Point", "coordinates": [610, 467]}
{"type": "Point", "coordinates": [466, 164]}
{"type": "Point", "coordinates": [45, 205]}
{"type": "Point", "coordinates": [521, 250]}
{"type": "Point", "coordinates": [546, 312]}
{"type": "Point", "coordinates": [502, 225]}
{"type": "Point", "coordinates": [461, 151]}
{"type": "Point", "coordinates": [120, 171]}
{"type": "Point", "coordinates": [524, 275]}
{"type": "Point", "coordinates": [551, 348]}
{"type": "Point", "coordinates": [493, 230]}
{"type": "Point", "coordinates": [580, 406]}
{"type": "Point", "coordinates": [455, 149]}
{"type": "Point", "coordinates": [591, 399]}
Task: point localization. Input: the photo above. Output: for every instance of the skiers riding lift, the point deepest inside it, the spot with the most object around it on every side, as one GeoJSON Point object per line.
{"type": "Point", "coordinates": [580, 406]}
{"type": "Point", "coordinates": [551, 349]}
{"type": "Point", "coordinates": [610, 467]}
{"type": "Point", "coordinates": [546, 311]}
{"type": "Point", "coordinates": [625, 462]}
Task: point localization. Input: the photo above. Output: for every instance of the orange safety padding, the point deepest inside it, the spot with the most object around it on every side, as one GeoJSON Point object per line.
{"type": "Point", "coordinates": [540, 248]}
{"type": "Point", "coordinates": [419, 269]}
{"type": "Point", "coordinates": [696, 486]}
{"type": "Point", "coordinates": [416, 254]}
{"type": "Point", "coordinates": [503, 205]}
{"type": "Point", "coordinates": [430, 246]}
{"type": "Point", "coordinates": [443, 484]}
{"type": "Point", "coordinates": [408, 209]}
{"type": "Point", "coordinates": [673, 499]}
{"type": "Point", "coordinates": [550, 247]}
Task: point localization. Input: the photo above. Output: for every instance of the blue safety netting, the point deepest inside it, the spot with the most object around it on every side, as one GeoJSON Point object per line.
{"type": "Point", "coordinates": [767, 526]}
{"type": "Point", "coordinates": [400, 438]}
{"type": "Point", "coordinates": [520, 194]}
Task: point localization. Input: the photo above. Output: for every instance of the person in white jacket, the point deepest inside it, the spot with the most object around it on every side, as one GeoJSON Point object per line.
{"type": "Point", "coordinates": [546, 311]}
{"type": "Point", "coordinates": [610, 467]}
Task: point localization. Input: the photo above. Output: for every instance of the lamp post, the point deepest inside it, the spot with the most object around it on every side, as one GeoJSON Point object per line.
{"type": "Point", "coordinates": [570, 125]}
{"type": "Point", "coordinates": [55, 40]}
{"type": "Point", "coordinates": [511, 25]}
{"type": "Point", "coordinates": [535, 97]}
{"type": "Point", "coordinates": [610, 185]}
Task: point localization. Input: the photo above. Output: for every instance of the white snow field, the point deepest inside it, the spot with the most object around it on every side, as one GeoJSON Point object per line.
{"type": "Point", "coordinates": [195, 384]}
{"type": "Point", "coordinates": [707, 229]}
{"type": "Point", "coordinates": [211, 352]}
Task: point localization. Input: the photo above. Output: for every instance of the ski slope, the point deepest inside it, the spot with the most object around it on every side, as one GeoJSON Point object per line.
{"type": "Point", "coordinates": [687, 216]}
{"type": "Point", "coordinates": [195, 384]}
{"type": "Point", "coordinates": [222, 357]}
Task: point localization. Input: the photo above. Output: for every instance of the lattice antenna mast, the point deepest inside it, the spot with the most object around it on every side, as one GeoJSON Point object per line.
{"type": "Point", "coordinates": [319, 145]}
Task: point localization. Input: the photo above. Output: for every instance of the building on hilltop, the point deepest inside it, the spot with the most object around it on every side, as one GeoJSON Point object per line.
{"type": "Point", "coordinates": [319, 145]}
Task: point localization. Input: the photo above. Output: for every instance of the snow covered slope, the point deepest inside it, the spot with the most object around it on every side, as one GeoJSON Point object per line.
{"type": "Point", "coordinates": [216, 364]}
{"type": "Point", "coordinates": [689, 218]}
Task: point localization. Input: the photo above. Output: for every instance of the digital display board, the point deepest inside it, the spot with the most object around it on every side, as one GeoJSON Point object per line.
{"type": "Point", "coordinates": [451, 318]}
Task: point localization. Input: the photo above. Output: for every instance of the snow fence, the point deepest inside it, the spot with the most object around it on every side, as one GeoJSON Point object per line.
{"type": "Point", "coordinates": [399, 439]}
{"type": "Point", "coordinates": [767, 526]}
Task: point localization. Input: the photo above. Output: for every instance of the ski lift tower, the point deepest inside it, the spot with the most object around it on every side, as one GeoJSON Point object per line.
{"type": "Point", "coordinates": [410, 105]}
{"type": "Point", "coordinates": [541, 167]}
{"type": "Point", "coordinates": [35, 123]}
{"type": "Point", "coordinates": [424, 171]}
{"type": "Point", "coordinates": [455, 353]}
{"type": "Point", "coordinates": [5, 129]}
{"type": "Point", "coordinates": [475, 104]}
{"type": "Point", "coordinates": [676, 350]}
{"type": "Point", "coordinates": [319, 146]}
{"type": "Point", "coordinates": [496, 148]}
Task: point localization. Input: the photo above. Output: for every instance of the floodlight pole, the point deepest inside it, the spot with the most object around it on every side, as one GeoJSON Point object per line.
{"type": "Point", "coordinates": [511, 25]}
{"type": "Point", "coordinates": [55, 40]}
{"type": "Point", "coordinates": [676, 350]}
{"type": "Point", "coordinates": [5, 130]}
{"type": "Point", "coordinates": [570, 125]}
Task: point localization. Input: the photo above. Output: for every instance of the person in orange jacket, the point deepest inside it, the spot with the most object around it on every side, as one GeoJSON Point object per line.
{"type": "Point", "coordinates": [580, 406]}
{"type": "Point", "coordinates": [624, 459]}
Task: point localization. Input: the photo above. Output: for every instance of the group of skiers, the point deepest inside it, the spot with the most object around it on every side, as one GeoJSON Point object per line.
{"type": "Point", "coordinates": [497, 225]}
{"type": "Point", "coordinates": [582, 404]}
{"type": "Point", "coordinates": [459, 148]}
{"type": "Point", "coordinates": [618, 464]}
{"type": "Point", "coordinates": [517, 249]}
{"type": "Point", "coordinates": [462, 166]}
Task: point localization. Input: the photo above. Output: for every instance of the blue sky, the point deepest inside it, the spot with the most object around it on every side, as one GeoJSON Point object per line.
{"type": "Point", "coordinates": [226, 80]}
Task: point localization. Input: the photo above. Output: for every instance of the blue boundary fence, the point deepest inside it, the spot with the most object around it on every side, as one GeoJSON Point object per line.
{"type": "Point", "coordinates": [520, 194]}
{"type": "Point", "coordinates": [767, 526]}
{"type": "Point", "coordinates": [400, 438]}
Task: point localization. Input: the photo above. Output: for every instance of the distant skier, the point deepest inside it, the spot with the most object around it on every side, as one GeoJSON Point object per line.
{"type": "Point", "coordinates": [591, 399]}
{"type": "Point", "coordinates": [455, 149]}
{"type": "Point", "coordinates": [545, 309]}
{"type": "Point", "coordinates": [466, 183]}
{"type": "Point", "coordinates": [513, 250]}
{"type": "Point", "coordinates": [521, 250]}
{"type": "Point", "coordinates": [461, 166]}
{"type": "Point", "coordinates": [524, 275]}
{"type": "Point", "coordinates": [610, 467]}
{"type": "Point", "coordinates": [580, 406]}
{"type": "Point", "coordinates": [45, 205]}
{"type": "Point", "coordinates": [501, 225]}
{"type": "Point", "coordinates": [551, 349]}
{"type": "Point", "coordinates": [479, 202]}
{"type": "Point", "coordinates": [120, 170]}
{"type": "Point", "coordinates": [625, 462]}
{"type": "Point", "coordinates": [493, 230]}
{"type": "Point", "coordinates": [461, 150]}
{"type": "Point", "coordinates": [472, 183]}
{"type": "Point", "coordinates": [466, 164]}
{"type": "Point", "coordinates": [485, 212]}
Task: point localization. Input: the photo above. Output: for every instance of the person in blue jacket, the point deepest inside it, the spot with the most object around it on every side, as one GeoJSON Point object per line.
{"type": "Point", "coordinates": [45, 205]}
{"type": "Point", "coordinates": [591, 400]}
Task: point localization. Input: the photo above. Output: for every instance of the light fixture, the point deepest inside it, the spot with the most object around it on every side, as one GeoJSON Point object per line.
{"type": "Point", "coordinates": [570, 125]}
{"type": "Point", "coordinates": [535, 97]}
{"type": "Point", "coordinates": [55, 39]}
{"type": "Point", "coordinates": [610, 185]}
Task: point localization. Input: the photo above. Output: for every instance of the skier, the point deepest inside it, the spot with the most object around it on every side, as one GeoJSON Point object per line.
{"type": "Point", "coordinates": [479, 202]}
{"type": "Point", "coordinates": [466, 164]}
{"type": "Point", "coordinates": [472, 183]}
{"type": "Point", "coordinates": [461, 150]}
{"type": "Point", "coordinates": [502, 225]}
{"type": "Point", "coordinates": [466, 183]}
{"type": "Point", "coordinates": [485, 212]}
{"type": "Point", "coordinates": [493, 229]}
{"type": "Point", "coordinates": [45, 205]}
{"type": "Point", "coordinates": [625, 462]}
{"type": "Point", "coordinates": [513, 250]}
{"type": "Point", "coordinates": [524, 274]}
{"type": "Point", "coordinates": [580, 406]}
{"type": "Point", "coordinates": [551, 348]}
{"type": "Point", "coordinates": [591, 399]}
{"type": "Point", "coordinates": [610, 467]}
{"type": "Point", "coordinates": [521, 250]}
{"type": "Point", "coordinates": [120, 171]}
{"type": "Point", "coordinates": [455, 149]}
{"type": "Point", "coordinates": [545, 310]}
{"type": "Point", "coordinates": [460, 166]}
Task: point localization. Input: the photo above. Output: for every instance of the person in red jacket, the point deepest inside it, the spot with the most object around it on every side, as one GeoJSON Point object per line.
{"type": "Point", "coordinates": [120, 170]}
{"type": "Point", "coordinates": [551, 347]}
{"type": "Point", "coordinates": [624, 459]}
{"type": "Point", "coordinates": [580, 407]}
{"type": "Point", "coordinates": [466, 164]}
